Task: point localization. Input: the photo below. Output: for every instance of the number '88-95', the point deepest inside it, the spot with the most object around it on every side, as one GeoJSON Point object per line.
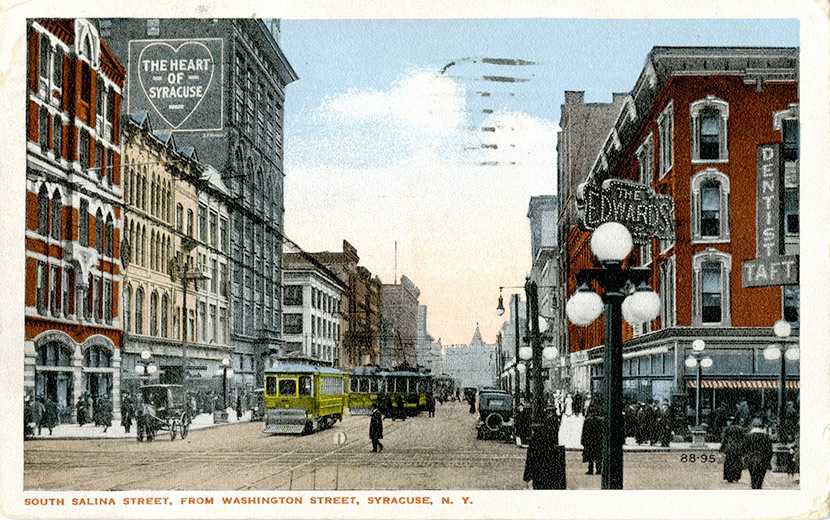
{"type": "Point", "coordinates": [693, 457]}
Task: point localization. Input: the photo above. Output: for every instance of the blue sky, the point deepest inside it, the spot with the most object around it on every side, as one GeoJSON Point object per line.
{"type": "Point", "coordinates": [386, 142]}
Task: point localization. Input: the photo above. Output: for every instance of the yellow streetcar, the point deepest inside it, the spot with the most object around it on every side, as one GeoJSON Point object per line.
{"type": "Point", "coordinates": [301, 398]}
{"type": "Point", "coordinates": [366, 385]}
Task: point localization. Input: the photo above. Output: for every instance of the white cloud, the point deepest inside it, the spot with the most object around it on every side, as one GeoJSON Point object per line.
{"type": "Point", "coordinates": [421, 101]}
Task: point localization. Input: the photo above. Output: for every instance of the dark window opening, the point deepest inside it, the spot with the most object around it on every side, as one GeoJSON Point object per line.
{"type": "Point", "coordinates": [710, 122]}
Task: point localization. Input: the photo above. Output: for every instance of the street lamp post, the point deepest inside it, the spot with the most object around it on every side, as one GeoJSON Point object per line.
{"type": "Point", "coordinates": [782, 330]}
{"type": "Point", "coordinates": [144, 367]}
{"type": "Point", "coordinates": [611, 243]}
{"type": "Point", "coordinates": [500, 311]}
{"type": "Point", "coordinates": [226, 372]}
{"type": "Point", "coordinates": [696, 360]}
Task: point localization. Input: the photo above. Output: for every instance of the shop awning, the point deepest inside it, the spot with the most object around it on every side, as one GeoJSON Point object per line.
{"type": "Point", "coordinates": [721, 383]}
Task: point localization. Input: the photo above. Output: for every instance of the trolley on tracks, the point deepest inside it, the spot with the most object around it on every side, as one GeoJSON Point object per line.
{"type": "Point", "coordinates": [366, 385]}
{"type": "Point", "coordinates": [302, 398]}
{"type": "Point", "coordinates": [163, 408]}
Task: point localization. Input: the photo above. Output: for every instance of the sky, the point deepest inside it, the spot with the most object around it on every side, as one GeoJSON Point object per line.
{"type": "Point", "coordinates": [420, 142]}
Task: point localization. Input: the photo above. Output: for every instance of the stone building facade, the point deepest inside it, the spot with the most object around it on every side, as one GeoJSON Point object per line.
{"type": "Point", "coordinates": [73, 224]}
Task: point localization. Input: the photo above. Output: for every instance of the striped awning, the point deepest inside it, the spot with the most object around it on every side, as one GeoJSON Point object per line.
{"type": "Point", "coordinates": [726, 383]}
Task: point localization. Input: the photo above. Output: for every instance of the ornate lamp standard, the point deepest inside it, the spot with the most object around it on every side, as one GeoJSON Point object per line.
{"type": "Point", "coordinates": [611, 243]}
{"type": "Point", "coordinates": [500, 312]}
{"type": "Point", "coordinates": [535, 352]}
{"type": "Point", "coordinates": [782, 329]}
{"type": "Point", "coordinates": [227, 373]}
{"type": "Point", "coordinates": [695, 359]}
{"type": "Point", "coordinates": [144, 367]}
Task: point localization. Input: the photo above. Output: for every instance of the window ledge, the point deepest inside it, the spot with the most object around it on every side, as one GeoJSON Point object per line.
{"type": "Point", "coordinates": [706, 240]}
{"type": "Point", "coordinates": [710, 161]}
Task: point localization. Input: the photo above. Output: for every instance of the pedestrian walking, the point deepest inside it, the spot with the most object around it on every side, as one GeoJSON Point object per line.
{"type": "Point", "coordinates": [38, 411]}
{"type": "Point", "coordinates": [80, 410]}
{"type": "Point", "coordinates": [376, 428]}
{"type": "Point", "coordinates": [127, 412]}
{"type": "Point", "coordinates": [757, 453]}
{"type": "Point", "coordinates": [522, 423]}
{"type": "Point", "coordinates": [592, 439]}
{"type": "Point", "coordinates": [732, 445]}
{"type": "Point", "coordinates": [545, 460]}
{"type": "Point", "coordinates": [102, 412]}
{"type": "Point", "coordinates": [238, 406]}
{"type": "Point", "coordinates": [431, 405]}
{"type": "Point", "coordinates": [28, 431]}
{"type": "Point", "coordinates": [49, 419]}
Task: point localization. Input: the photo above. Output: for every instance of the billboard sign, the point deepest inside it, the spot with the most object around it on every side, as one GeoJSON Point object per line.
{"type": "Point", "coordinates": [771, 266]}
{"type": "Point", "coordinates": [179, 82]}
{"type": "Point", "coordinates": [645, 213]}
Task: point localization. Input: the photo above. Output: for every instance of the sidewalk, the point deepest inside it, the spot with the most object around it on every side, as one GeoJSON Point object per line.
{"type": "Point", "coordinates": [116, 431]}
{"type": "Point", "coordinates": [570, 433]}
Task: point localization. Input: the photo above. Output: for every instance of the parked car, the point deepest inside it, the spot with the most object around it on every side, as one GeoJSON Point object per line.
{"type": "Point", "coordinates": [495, 409]}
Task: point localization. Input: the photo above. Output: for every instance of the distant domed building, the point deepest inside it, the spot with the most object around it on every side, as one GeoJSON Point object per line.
{"type": "Point", "coordinates": [472, 365]}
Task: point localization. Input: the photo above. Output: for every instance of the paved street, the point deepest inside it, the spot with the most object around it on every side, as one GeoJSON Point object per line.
{"type": "Point", "coordinates": [421, 453]}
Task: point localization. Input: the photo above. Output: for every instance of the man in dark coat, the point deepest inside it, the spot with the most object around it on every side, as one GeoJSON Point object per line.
{"type": "Point", "coordinates": [50, 416]}
{"type": "Point", "coordinates": [127, 412]}
{"type": "Point", "coordinates": [732, 446]}
{"type": "Point", "coordinates": [38, 411]}
{"type": "Point", "coordinates": [757, 453]}
{"type": "Point", "coordinates": [80, 410]}
{"type": "Point", "coordinates": [545, 461]}
{"type": "Point", "coordinates": [592, 439]}
{"type": "Point", "coordinates": [431, 405]}
{"type": "Point", "coordinates": [102, 413]}
{"type": "Point", "coordinates": [522, 423]}
{"type": "Point", "coordinates": [376, 428]}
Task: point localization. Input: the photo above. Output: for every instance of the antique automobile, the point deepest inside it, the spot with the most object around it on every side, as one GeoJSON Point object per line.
{"type": "Point", "coordinates": [163, 408]}
{"type": "Point", "coordinates": [495, 409]}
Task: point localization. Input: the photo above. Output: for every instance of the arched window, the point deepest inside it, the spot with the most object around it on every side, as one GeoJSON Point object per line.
{"type": "Point", "coordinates": [99, 231]}
{"type": "Point", "coordinates": [128, 297]}
{"type": "Point", "coordinates": [139, 311]}
{"type": "Point", "coordinates": [712, 270]}
{"type": "Point", "coordinates": [109, 239]}
{"type": "Point", "coordinates": [190, 223]}
{"type": "Point", "coordinates": [132, 186]}
{"type": "Point", "coordinates": [709, 119]}
{"type": "Point", "coordinates": [179, 218]}
{"type": "Point", "coordinates": [97, 357]}
{"type": "Point", "coordinates": [57, 215]}
{"type": "Point", "coordinates": [143, 246]}
{"type": "Point", "coordinates": [83, 222]}
{"type": "Point", "coordinates": [710, 206]}
{"type": "Point", "coordinates": [154, 313]}
{"type": "Point", "coordinates": [152, 249]}
{"type": "Point", "coordinates": [43, 210]}
{"type": "Point", "coordinates": [164, 315]}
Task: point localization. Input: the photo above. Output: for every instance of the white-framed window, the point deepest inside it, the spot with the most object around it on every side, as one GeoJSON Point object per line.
{"type": "Point", "coordinates": [791, 222]}
{"type": "Point", "coordinates": [128, 296]}
{"type": "Point", "coordinates": [711, 288]}
{"type": "Point", "coordinates": [789, 131]}
{"type": "Point", "coordinates": [709, 118]}
{"type": "Point", "coordinates": [163, 316]}
{"type": "Point", "coordinates": [710, 206]}
{"type": "Point", "coordinates": [54, 289]}
{"type": "Point", "coordinates": [668, 310]}
{"type": "Point", "coordinates": [790, 303]}
{"type": "Point", "coordinates": [108, 301]}
{"type": "Point", "coordinates": [68, 288]}
{"type": "Point", "coordinates": [665, 134]}
{"type": "Point", "coordinates": [213, 323]}
{"type": "Point", "coordinates": [786, 121]}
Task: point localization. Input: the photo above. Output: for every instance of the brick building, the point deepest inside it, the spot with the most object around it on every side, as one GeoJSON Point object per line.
{"type": "Point", "coordinates": [359, 308]}
{"type": "Point", "coordinates": [691, 128]}
{"type": "Point", "coordinates": [73, 332]}
{"type": "Point", "coordinates": [400, 306]}
{"type": "Point", "coordinates": [583, 127]}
